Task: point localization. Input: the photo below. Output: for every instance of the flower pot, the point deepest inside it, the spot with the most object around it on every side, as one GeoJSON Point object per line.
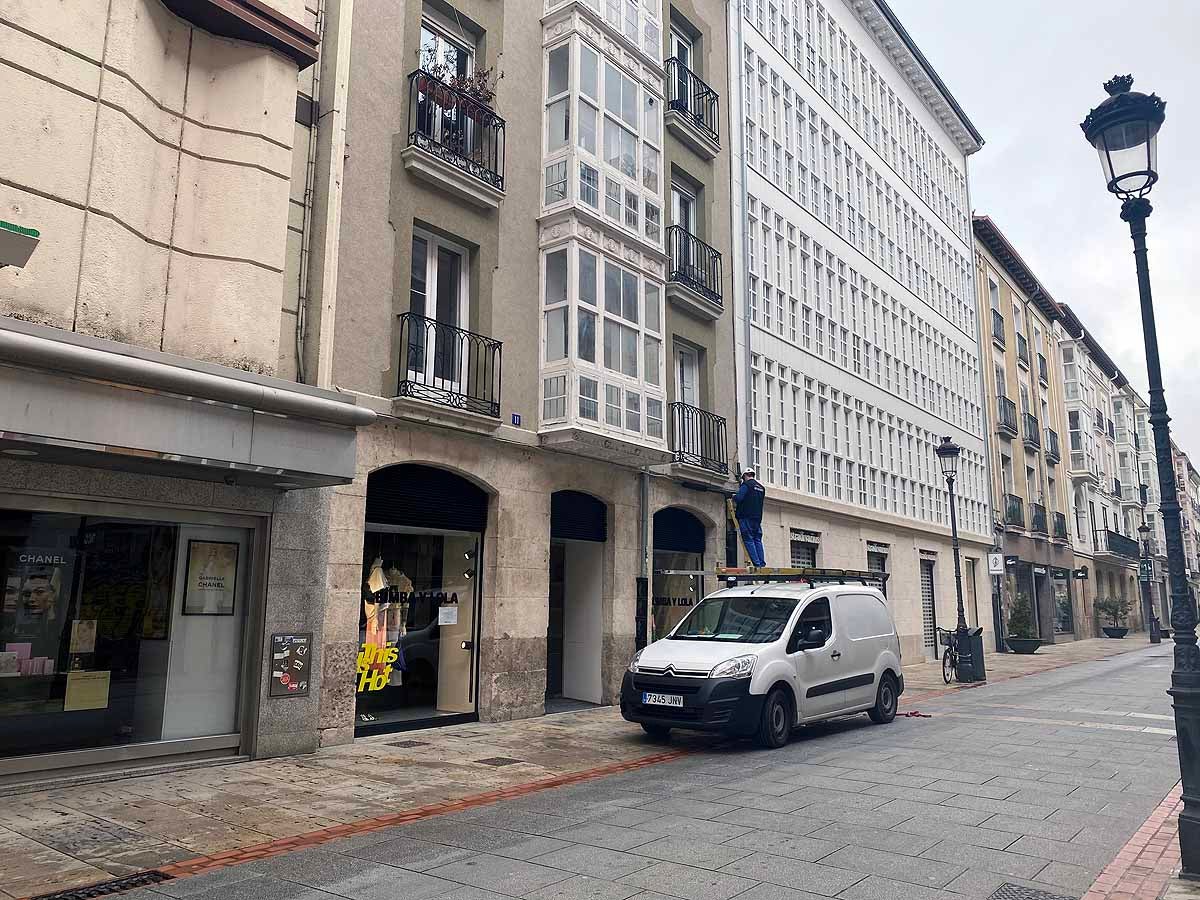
{"type": "Point", "coordinates": [1114, 631]}
{"type": "Point", "coordinates": [1023, 645]}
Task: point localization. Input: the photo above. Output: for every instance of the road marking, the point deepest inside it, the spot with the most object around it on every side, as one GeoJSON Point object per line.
{"type": "Point", "coordinates": [1077, 723]}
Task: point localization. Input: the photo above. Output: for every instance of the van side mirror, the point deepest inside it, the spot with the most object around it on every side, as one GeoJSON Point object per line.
{"type": "Point", "coordinates": [816, 638]}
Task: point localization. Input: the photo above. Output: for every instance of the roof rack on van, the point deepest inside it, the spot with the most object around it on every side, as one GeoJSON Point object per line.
{"type": "Point", "coordinates": [733, 575]}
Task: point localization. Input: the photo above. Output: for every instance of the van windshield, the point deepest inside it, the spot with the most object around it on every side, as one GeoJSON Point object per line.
{"type": "Point", "coordinates": [743, 620]}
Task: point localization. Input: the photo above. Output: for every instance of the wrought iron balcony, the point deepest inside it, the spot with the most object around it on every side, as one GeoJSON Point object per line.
{"type": "Point", "coordinates": [1060, 527]}
{"type": "Point", "coordinates": [696, 101]}
{"type": "Point", "coordinates": [1099, 420]}
{"type": "Point", "coordinates": [1006, 417]}
{"type": "Point", "coordinates": [1112, 430]}
{"type": "Point", "coordinates": [456, 128]}
{"type": "Point", "coordinates": [1053, 453]}
{"type": "Point", "coordinates": [1116, 544]}
{"type": "Point", "coordinates": [450, 366]}
{"type": "Point", "coordinates": [694, 264]}
{"type": "Point", "coordinates": [1043, 369]}
{"type": "Point", "coordinates": [1037, 518]}
{"type": "Point", "coordinates": [1033, 431]}
{"type": "Point", "coordinates": [1014, 510]}
{"type": "Point", "coordinates": [997, 327]}
{"type": "Point", "coordinates": [1022, 349]}
{"type": "Point", "coordinates": [698, 438]}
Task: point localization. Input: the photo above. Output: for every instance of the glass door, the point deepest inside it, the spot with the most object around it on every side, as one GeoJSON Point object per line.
{"type": "Point", "coordinates": [681, 49]}
{"type": "Point", "coordinates": [436, 347]}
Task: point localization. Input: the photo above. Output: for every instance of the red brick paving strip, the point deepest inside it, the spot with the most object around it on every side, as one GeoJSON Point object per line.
{"type": "Point", "coordinates": [227, 858]}
{"type": "Point", "coordinates": [1148, 861]}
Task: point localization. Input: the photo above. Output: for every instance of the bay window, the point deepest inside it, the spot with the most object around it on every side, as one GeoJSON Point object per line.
{"type": "Point", "coordinates": [589, 299]}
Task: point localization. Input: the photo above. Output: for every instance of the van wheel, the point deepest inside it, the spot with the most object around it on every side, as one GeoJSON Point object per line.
{"type": "Point", "coordinates": [884, 709]}
{"type": "Point", "coordinates": [657, 732]}
{"type": "Point", "coordinates": [775, 725]}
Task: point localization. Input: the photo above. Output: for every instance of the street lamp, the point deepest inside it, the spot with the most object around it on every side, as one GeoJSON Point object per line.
{"type": "Point", "coordinates": [1124, 131]}
{"type": "Point", "coordinates": [1145, 574]}
{"type": "Point", "coordinates": [947, 453]}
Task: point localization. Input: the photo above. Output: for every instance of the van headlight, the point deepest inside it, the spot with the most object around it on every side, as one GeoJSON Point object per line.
{"type": "Point", "coordinates": [738, 667]}
{"type": "Point", "coordinates": [633, 667]}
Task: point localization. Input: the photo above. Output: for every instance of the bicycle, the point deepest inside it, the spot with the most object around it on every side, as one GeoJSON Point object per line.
{"type": "Point", "coordinates": [949, 640]}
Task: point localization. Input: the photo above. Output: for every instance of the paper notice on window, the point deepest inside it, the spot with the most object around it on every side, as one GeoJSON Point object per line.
{"type": "Point", "coordinates": [87, 690]}
{"type": "Point", "coordinates": [447, 615]}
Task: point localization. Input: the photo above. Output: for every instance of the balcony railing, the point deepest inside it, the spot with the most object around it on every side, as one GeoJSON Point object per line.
{"type": "Point", "coordinates": [1022, 349]}
{"type": "Point", "coordinates": [1117, 544]}
{"type": "Point", "coordinates": [1033, 431]}
{"type": "Point", "coordinates": [698, 438]}
{"type": "Point", "coordinates": [1053, 453]}
{"type": "Point", "coordinates": [456, 128]}
{"type": "Point", "coordinates": [692, 97]}
{"type": "Point", "coordinates": [997, 327]}
{"type": "Point", "coordinates": [694, 263]}
{"type": "Point", "coordinates": [1112, 431]}
{"type": "Point", "coordinates": [1060, 527]}
{"type": "Point", "coordinates": [1099, 421]}
{"type": "Point", "coordinates": [1037, 518]}
{"type": "Point", "coordinates": [1006, 416]}
{"type": "Point", "coordinates": [449, 366]}
{"type": "Point", "coordinates": [1014, 510]}
{"type": "Point", "coordinates": [1043, 369]}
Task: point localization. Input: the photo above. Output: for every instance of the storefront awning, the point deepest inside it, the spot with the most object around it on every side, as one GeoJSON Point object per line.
{"type": "Point", "coordinates": [78, 400]}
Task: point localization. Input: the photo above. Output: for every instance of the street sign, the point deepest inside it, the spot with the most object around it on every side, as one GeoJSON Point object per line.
{"type": "Point", "coordinates": [1146, 569]}
{"type": "Point", "coordinates": [995, 563]}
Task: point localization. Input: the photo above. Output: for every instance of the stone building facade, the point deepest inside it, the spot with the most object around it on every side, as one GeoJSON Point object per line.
{"type": "Point", "coordinates": [532, 294]}
{"type": "Point", "coordinates": [1029, 484]}
{"type": "Point", "coordinates": [154, 475]}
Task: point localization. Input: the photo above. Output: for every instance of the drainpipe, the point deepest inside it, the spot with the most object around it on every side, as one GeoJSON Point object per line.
{"type": "Point", "coordinates": [741, 322]}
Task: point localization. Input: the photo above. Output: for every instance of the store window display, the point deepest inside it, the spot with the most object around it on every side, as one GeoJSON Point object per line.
{"type": "Point", "coordinates": [95, 649]}
{"type": "Point", "coordinates": [416, 655]}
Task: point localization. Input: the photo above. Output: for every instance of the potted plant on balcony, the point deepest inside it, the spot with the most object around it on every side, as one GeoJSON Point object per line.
{"type": "Point", "coordinates": [440, 80]}
{"type": "Point", "coordinates": [1116, 610]}
{"type": "Point", "coordinates": [1021, 636]}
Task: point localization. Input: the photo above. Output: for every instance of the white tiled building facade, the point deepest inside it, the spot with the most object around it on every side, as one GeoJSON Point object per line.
{"type": "Point", "coordinates": [858, 338]}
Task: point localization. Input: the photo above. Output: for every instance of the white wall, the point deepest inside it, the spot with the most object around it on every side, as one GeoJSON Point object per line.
{"type": "Point", "coordinates": [583, 620]}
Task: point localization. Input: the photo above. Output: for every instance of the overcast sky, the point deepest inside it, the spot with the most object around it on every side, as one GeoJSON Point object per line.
{"type": "Point", "coordinates": [1026, 72]}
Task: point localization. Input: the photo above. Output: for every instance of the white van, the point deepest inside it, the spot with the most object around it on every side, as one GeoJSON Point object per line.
{"type": "Point", "coordinates": [761, 659]}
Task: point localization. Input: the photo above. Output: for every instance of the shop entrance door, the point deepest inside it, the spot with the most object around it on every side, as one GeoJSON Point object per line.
{"type": "Point", "coordinates": [575, 625]}
{"type": "Point", "coordinates": [928, 610]}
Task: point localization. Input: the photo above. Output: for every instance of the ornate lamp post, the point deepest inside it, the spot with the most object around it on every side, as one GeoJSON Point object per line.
{"type": "Point", "coordinates": [1124, 131]}
{"type": "Point", "coordinates": [947, 453]}
{"type": "Point", "coordinates": [1145, 575]}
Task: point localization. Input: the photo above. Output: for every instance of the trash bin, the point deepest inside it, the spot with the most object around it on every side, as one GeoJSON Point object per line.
{"type": "Point", "coordinates": [975, 643]}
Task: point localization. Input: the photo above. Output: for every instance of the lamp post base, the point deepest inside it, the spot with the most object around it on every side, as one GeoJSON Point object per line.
{"type": "Point", "coordinates": [1186, 697]}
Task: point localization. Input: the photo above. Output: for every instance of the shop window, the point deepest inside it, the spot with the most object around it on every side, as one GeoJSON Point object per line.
{"type": "Point", "coordinates": [678, 546]}
{"type": "Point", "coordinates": [118, 631]}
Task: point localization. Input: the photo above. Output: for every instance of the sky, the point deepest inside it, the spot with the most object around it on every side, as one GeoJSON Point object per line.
{"type": "Point", "coordinates": [1026, 72]}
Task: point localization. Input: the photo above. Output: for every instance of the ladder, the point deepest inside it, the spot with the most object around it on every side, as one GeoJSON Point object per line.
{"type": "Point", "coordinates": [732, 575]}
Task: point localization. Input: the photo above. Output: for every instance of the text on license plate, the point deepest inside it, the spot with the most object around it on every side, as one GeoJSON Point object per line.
{"type": "Point", "coordinates": [649, 699]}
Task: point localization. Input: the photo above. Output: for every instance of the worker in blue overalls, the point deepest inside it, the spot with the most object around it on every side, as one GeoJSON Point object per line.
{"type": "Point", "coordinates": [748, 507]}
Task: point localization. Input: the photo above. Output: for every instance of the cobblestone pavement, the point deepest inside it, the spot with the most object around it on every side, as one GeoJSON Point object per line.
{"type": "Point", "coordinates": [1000, 777]}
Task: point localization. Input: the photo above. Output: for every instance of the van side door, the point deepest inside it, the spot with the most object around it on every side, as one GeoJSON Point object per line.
{"type": "Point", "coordinates": [867, 629]}
{"type": "Point", "coordinates": [815, 651]}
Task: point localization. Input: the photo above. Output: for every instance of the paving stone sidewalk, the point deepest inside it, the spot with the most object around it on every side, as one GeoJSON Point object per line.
{"type": "Point", "coordinates": [51, 839]}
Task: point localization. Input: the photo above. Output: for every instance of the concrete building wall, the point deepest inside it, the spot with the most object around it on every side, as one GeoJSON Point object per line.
{"type": "Point", "coordinates": [154, 158]}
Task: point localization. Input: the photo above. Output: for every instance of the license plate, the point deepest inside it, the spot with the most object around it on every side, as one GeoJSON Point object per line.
{"type": "Point", "coordinates": [649, 699]}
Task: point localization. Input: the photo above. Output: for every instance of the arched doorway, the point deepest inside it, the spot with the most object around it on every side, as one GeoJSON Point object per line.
{"type": "Point", "coordinates": [679, 544]}
{"type": "Point", "coordinates": [418, 617]}
{"type": "Point", "coordinates": [575, 625]}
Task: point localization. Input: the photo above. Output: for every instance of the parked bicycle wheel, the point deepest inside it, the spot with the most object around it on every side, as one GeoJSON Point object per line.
{"type": "Point", "coordinates": [949, 663]}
